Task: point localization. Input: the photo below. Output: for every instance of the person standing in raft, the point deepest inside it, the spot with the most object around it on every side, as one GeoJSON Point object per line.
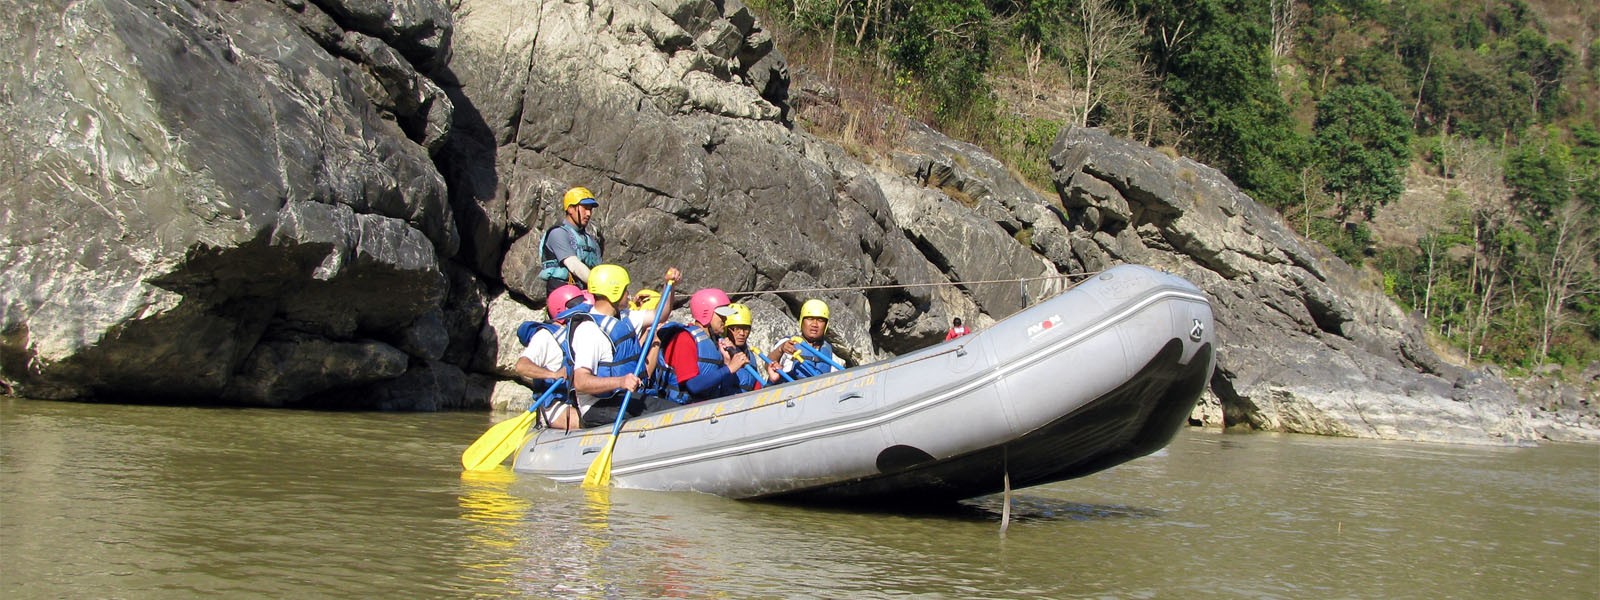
{"type": "Point", "coordinates": [699, 354]}
{"type": "Point", "coordinates": [801, 354]}
{"type": "Point", "coordinates": [956, 330]}
{"type": "Point", "coordinates": [569, 250]}
{"type": "Point", "coordinates": [606, 344]}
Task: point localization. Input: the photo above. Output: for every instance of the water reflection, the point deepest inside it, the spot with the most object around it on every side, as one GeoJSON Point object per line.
{"type": "Point", "coordinates": [532, 538]}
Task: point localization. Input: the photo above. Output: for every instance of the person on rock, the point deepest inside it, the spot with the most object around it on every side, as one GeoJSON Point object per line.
{"type": "Point", "coordinates": [569, 250]}
{"type": "Point", "coordinates": [956, 330]}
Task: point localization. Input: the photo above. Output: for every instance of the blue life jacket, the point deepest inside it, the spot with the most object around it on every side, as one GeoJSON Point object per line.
{"type": "Point", "coordinates": [525, 333]}
{"type": "Point", "coordinates": [625, 348]}
{"type": "Point", "coordinates": [712, 379]}
{"type": "Point", "coordinates": [751, 377]}
{"type": "Point", "coordinates": [527, 329]}
{"type": "Point", "coordinates": [588, 247]}
{"type": "Point", "coordinates": [811, 366]}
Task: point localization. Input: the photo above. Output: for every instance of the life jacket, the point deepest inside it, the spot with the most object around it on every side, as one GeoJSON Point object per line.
{"type": "Point", "coordinates": [625, 348]}
{"type": "Point", "coordinates": [808, 365]}
{"type": "Point", "coordinates": [752, 376]}
{"type": "Point", "coordinates": [588, 247]}
{"type": "Point", "coordinates": [707, 356]}
{"type": "Point", "coordinates": [528, 329]}
{"type": "Point", "coordinates": [525, 333]}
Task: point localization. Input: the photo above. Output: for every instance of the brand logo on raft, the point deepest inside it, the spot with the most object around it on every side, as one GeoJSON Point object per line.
{"type": "Point", "coordinates": [1197, 331]}
{"type": "Point", "coordinates": [1043, 326]}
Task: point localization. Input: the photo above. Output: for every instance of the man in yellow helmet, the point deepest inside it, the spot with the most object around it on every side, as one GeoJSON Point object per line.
{"type": "Point", "coordinates": [568, 250]}
{"type": "Point", "coordinates": [809, 354]}
{"type": "Point", "coordinates": [606, 345]}
{"type": "Point", "coordinates": [751, 376]}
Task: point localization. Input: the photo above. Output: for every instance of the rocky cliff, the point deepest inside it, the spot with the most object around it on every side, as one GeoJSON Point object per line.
{"type": "Point", "coordinates": [338, 203]}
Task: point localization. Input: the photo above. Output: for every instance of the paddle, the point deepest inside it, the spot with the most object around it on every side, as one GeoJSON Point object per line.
{"type": "Point", "coordinates": [504, 437]}
{"type": "Point", "coordinates": [751, 369]}
{"type": "Point", "coordinates": [765, 362]}
{"type": "Point", "coordinates": [599, 474]}
{"type": "Point", "coordinates": [800, 343]}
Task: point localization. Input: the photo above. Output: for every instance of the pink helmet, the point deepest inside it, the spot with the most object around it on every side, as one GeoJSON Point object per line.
{"type": "Point", "coordinates": [705, 302]}
{"type": "Point", "coordinates": [561, 297]}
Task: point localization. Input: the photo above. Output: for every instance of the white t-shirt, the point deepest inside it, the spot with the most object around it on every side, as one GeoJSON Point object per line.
{"type": "Point", "coordinates": [545, 350]}
{"type": "Point", "coordinates": [590, 347]}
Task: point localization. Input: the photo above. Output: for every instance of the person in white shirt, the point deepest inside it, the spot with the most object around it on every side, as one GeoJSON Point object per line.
{"type": "Point", "coordinates": [543, 361]}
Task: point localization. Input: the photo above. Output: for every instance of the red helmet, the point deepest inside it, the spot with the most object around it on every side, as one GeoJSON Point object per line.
{"type": "Point", "coordinates": [704, 303]}
{"type": "Point", "coordinates": [560, 298]}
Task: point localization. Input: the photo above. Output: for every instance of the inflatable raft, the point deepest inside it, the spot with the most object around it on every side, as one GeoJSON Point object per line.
{"type": "Point", "coordinates": [1097, 376]}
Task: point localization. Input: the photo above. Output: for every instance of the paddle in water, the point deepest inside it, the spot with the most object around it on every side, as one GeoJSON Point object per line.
{"type": "Point", "coordinates": [504, 437]}
{"type": "Point", "coordinates": [599, 473]}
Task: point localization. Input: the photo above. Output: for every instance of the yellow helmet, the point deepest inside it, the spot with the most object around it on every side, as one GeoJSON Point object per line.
{"type": "Point", "coordinates": [740, 316]}
{"type": "Point", "coordinates": [578, 195]}
{"type": "Point", "coordinates": [609, 281]}
{"type": "Point", "coordinates": [814, 308]}
{"type": "Point", "coordinates": [651, 299]}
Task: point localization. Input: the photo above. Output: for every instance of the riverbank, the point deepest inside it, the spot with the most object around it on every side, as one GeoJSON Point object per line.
{"type": "Point", "coordinates": [1562, 409]}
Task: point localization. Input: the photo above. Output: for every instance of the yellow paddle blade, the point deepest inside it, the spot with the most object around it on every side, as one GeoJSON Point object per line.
{"type": "Point", "coordinates": [599, 474]}
{"type": "Point", "coordinates": [497, 443]}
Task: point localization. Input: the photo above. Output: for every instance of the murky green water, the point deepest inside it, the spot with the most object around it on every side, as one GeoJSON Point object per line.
{"type": "Point", "coordinates": [157, 502]}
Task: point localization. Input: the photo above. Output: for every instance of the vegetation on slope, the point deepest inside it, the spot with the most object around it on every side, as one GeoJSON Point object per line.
{"type": "Point", "coordinates": [1329, 111]}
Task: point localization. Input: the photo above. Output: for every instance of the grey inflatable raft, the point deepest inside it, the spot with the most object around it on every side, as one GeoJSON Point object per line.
{"type": "Point", "coordinates": [1097, 376]}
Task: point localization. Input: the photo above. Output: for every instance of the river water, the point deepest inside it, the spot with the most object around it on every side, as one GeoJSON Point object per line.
{"type": "Point", "coordinates": [103, 501]}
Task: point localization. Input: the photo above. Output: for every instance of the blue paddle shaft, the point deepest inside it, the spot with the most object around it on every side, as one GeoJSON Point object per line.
{"type": "Point", "coordinates": [765, 362]}
{"type": "Point", "coordinates": [638, 367]}
{"type": "Point", "coordinates": [820, 355]}
{"type": "Point", "coordinates": [546, 395]}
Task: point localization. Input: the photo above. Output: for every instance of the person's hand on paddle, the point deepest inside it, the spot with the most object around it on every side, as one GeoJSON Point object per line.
{"type": "Point", "coordinates": [772, 372]}
{"type": "Point", "coordinates": [672, 275]}
{"type": "Point", "coordinates": [782, 350]}
{"type": "Point", "coordinates": [630, 382]}
{"type": "Point", "coordinates": [735, 359]}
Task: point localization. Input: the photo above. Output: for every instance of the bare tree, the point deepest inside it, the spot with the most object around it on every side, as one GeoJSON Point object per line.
{"type": "Point", "coordinates": [1474, 169]}
{"type": "Point", "coordinates": [1573, 269]}
{"type": "Point", "coordinates": [1284, 20]}
{"type": "Point", "coordinates": [1035, 60]}
{"type": "Point", "coordinates": [1107, 38]}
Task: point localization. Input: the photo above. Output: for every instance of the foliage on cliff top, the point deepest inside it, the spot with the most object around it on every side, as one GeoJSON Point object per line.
{"type": "Point", "coordinates": [1318, 108]}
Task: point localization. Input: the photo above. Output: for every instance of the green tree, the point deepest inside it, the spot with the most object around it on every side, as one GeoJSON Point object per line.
{"type": "Point", "coordinates": [1220, 82]}
{"type": "Point", "coordinates": [1537, 66]}
{"type": "Point", "coordinates": [1362, 144]}
{"type": "Point", "coordinates": [946, 44]}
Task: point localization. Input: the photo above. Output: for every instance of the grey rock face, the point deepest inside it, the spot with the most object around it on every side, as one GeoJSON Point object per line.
{"type": "Point", "coordinates": [193, 191]}
{"type": "Point", "coordinates": [1306, 346]}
